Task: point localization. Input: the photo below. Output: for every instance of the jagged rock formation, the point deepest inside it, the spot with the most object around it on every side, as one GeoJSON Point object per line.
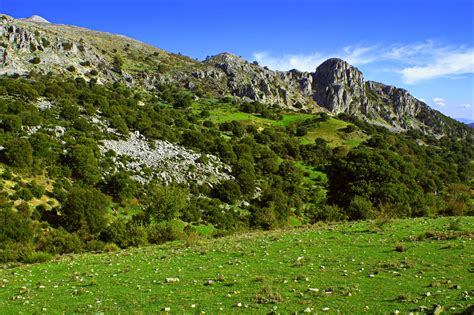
{"type": "Point", "coordinates": [335, 86]}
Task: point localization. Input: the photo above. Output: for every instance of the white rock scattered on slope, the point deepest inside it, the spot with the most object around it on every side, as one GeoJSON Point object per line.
{"type": "Point", "coordinates": [169, 163]}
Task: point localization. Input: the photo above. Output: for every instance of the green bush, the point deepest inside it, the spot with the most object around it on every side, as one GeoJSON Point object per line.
{"type": "Point", "coordinates": [164, 232]}
{"type": "Point", "coordinates": [37, 190]}
{"type": "Point", "coordinates": [85, 209]}
{"type": "Point", "coordinates": [37, 257]}
{"type": "Point", "coordinates": [23, 194]}
{"type": "Point", "coordinates": [329, 213]}
{"type": "Point", "coordinates": [18, 152]}
{"type": "Point", "coordinates": [35, 60]}
{"type": "Point", "coordinates": [166, 202]}
{"type": "Point", "coordinates": [59, 241]}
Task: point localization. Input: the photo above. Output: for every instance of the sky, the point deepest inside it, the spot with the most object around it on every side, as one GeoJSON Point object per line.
{"type": "Point", "coordinates": [424, 46]}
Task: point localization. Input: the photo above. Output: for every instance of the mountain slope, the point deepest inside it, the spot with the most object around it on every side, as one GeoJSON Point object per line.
{"type": "Point", "coordinates": [335, 86]}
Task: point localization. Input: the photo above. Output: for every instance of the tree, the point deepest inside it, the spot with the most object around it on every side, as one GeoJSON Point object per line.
{"type": "Point", "coordinates": [228, 191]}
{"type": "Point", "coordinates": [85, 209]}
{"type": "Point", "coordinates": [18, 152]}
{"type": "Point", "coordinates": [166, 202]}
{"type": "Point", "coordinates": [121, 186]}
{"type": "Point", "coordinates": [84, 165]}
{"type": "Point", "coordinates": [373, 177]}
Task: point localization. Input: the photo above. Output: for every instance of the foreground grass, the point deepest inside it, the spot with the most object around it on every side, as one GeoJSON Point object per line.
{"type": "Point", "coordinates": [349, 268]}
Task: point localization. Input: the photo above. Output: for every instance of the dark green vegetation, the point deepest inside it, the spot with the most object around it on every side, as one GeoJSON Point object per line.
{"type": "Point", "coordinates": [60, 194]}
{"type": "Point", "coordinates": [375, 267]}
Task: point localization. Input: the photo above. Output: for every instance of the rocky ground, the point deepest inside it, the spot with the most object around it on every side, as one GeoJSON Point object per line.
{"type": "Point", "coordinates": [168, 162]}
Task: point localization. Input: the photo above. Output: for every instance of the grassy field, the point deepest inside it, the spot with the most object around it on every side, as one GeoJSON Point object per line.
{"type": "Point", "coordinates": [361, 267]}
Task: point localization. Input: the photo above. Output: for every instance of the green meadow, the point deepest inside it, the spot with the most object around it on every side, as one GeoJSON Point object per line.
{"type": "Point", "coordinates": [379, 267]}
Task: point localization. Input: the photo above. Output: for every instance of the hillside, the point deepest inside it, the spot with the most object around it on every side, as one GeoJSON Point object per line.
{"type": "Point", "coordinates": [365, 267]}
{"type": "Point", "coordinates": [108, 143]}
{"type": "Point", "coordinates": [335, 86]}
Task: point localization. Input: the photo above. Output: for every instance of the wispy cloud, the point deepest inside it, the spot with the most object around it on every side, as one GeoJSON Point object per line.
{"type": "Point", "coordinates": [444, 64]}
{"type": "Point", "coordinates": [414, 62]}
{"type": "Point", "coordinates": [355, 55]}
{"type": "Point", "coordinates": [288, 62]}
{"type": "Point", "coordinates": [439, 101]}
{"type": "Point", "coordinates": [465, 105]}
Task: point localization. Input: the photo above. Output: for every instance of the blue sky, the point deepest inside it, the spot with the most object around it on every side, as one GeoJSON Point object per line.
{"type": "Point", "coordinates": [425, 46]}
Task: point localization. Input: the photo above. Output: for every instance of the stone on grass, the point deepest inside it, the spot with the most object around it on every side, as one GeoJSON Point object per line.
{"type": "Point", "coordinates": [172, 280]}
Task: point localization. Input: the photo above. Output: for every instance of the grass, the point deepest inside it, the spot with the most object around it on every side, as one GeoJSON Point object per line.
{"type": "Point", "coordinates": [348, 268]}
{"type": "Point", "coordinates": [329, 130]}
{"type": "Point", "coordinates": [311, 174]}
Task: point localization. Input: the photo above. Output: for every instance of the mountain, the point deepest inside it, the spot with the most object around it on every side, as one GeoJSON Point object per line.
{"type": "Point", "coordinates": [34, 44]}
{"type": "Point", "coordinates": [107, 142]}
{"type": "Point", "coordinates": [37, 19]}
{"type": "Point", "coordinates": [471, 125]}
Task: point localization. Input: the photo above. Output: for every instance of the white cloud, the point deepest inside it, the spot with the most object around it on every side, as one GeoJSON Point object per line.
{"type": "Point", "coordinates": [443, 65]}
{"type": "Point", "coordinates": [414, 62]}
{"type": "Point", "coordinates": [352, 54]}
{"type": "Point", "coordinates": [288, 62]}
{"type": "Point", "coordinates": [466, 105]}
{"type": "Point", "coordinates": [439, 101]}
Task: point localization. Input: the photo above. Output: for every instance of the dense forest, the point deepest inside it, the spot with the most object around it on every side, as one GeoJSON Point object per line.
{"type": "Point", "coordinates": [61, 193]}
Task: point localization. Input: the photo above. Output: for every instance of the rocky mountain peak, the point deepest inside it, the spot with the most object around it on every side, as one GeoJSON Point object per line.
{"type": "Point", "coordinates": [338, 85]}
{"type": "Point", "coordinates": [36, 19]}
{"type": "Point", "coordinates": [338, 71]}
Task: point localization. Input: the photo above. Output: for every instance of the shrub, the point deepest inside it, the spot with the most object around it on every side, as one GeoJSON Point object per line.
{"type": "Point", "coordinates": [37, 190]}
{"type": "Point", "coordinates": [268, 295]}
{"type": "Point", "coordinates": [23, 194]}
{"type": "Point", "coordinates": [359, 208]}
{"type": "Point", "coordinates": [164, 232]}
{"type": "Point", "coordinates": [349, 129]}
{"type": "Point", "coordinates": [400, 248]}
{"type": "Point", "coordinates": [228, 191]}
{"type": "Point", "coordinates": [115, 233]}
{"type": "Point", "coordinates": [67, 46]}
{"type": "Point", "coordinates": [37, 257]}
{"type": "Point", "coordinates": [71, 69]}
{"type": "Point", "coordinates": [328, 213]}
{"type": "Point", "coordinates": [301, 131]}
{"type": "Point", "coordinates": [85, 208]}
{"type": "Point", "coordinates": [111, 247]}
{"type": "Point", "coordinates": [264, 218]}
{"type": "Point", "coordinates": [35, 60]}
{"type": "Point", "coordinates": [10, 123]}
{"type": "Point", "coordinates": [59, 241]}
{"type": "Point", "coordinates": [18, 152]}
{"type": "Point", "coordinates": [14, 251]}
{"type": "Point", "coordinates": [95, 246]}
{"type": "Point", "coordinates": [166, 202]}
{"type": "Point", "coordinates": [125, 234]}
{"type": "Point", "coordinates": [136, 234]}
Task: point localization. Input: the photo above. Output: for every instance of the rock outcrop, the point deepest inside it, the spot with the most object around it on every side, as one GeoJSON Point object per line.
{"type": "Point", "coordinates": [338, 86]}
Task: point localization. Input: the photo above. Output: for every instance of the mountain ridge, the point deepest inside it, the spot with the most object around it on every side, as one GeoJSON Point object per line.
{"type": "Point", "coordinates": [334, 87]}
